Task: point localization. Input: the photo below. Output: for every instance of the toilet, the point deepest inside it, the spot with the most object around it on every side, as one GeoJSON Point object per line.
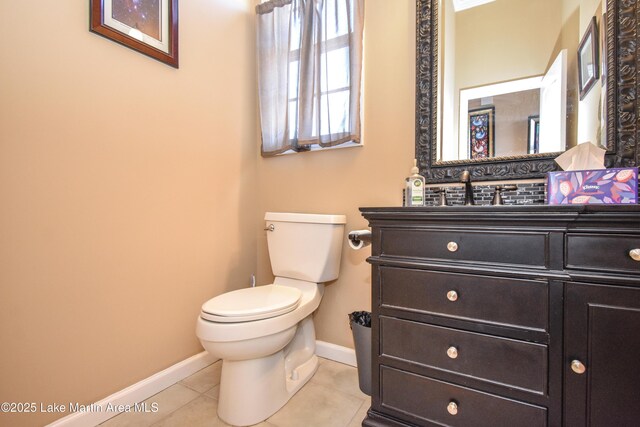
{"type": "Point", "coordinates": [265, 334]}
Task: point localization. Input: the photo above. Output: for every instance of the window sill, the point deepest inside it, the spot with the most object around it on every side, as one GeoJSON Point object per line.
{"type": "Point", "coordinates": [318, 148]}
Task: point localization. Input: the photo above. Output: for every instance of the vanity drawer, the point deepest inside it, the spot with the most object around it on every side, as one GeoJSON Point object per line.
{"type": "Point", "coordinates": [602, 252]}
{"type": "Point", "coordinates": [503, 301]}
{"type": "Point", "coordinates": [498, 360]}
{"type": "Point", "coordinates": [415, 398]}
{"type": "Point", "coordinates": [512, 248]}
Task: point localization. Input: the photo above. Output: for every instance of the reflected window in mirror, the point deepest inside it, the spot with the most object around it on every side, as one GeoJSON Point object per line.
{"type": "Point", "coordinates": [533, 135]}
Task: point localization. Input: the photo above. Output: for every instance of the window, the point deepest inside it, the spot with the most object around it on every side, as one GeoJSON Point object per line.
{"type": "Point", "coordinates": [309, 73]}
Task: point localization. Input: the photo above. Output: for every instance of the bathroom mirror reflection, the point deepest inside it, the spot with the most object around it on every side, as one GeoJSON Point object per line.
{"type": "Point", "coordinates": [508, 79]}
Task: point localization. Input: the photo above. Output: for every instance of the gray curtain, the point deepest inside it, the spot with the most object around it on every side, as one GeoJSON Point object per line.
{"type": "Point", "coordinates": [309, 73]}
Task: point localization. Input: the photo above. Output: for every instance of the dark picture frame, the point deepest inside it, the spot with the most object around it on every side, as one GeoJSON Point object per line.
{"type": "Point", "coordinates": [588, 60]}
{"type": "Point", "coordinates": [481, 132]}
{"type": "Point", "coordinates": [147, 26]}
{"type": "Point", "coordinates": [533, 132]}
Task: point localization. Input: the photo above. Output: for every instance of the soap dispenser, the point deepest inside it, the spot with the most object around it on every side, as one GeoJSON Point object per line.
{"type": "Point", "coordinates": [414, 187]}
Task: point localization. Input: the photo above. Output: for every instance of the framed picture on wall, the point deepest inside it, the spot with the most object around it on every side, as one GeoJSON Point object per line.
{"type": "Point", "coordinates": [588, 62]}
{"type": "Point", "coordinates": [481, 133]}
{"type": "Point", "coordinates": [534, 135]}
{"type": "Point", "coordinates": [148, 26]}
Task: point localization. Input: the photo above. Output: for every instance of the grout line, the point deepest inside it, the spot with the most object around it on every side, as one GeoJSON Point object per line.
{"type": "Point", "coordinates": [364, 403]}
{"type": "Point", "coordinates": [178, 408]}
{"type": "Point", "coordinates": [168, 414]}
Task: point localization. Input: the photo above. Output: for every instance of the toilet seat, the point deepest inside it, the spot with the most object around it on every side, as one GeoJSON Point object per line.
{"type": "Point", "coordinates": [244, 305]}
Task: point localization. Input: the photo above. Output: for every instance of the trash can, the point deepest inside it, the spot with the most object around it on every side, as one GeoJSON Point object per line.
{"type": "Point", "coordinates": [360, 323]}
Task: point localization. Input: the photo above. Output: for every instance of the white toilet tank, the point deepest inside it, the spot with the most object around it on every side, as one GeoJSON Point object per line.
{"type": "Point", "coordinates": [305, 246]}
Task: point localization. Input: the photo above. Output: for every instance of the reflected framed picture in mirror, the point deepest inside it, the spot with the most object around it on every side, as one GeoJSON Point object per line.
{"type": "Point", "coordinates": [481, 132]}
{"type": "Point", "coordinates": [588, 62]}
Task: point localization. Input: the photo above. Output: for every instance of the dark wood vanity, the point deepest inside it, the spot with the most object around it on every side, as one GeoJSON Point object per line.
{"type": "Point", "coordinates": [505, 316]}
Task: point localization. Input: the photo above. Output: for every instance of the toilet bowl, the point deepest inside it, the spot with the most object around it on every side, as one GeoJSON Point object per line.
{"type": "Point", "coordinates": [265, 335]}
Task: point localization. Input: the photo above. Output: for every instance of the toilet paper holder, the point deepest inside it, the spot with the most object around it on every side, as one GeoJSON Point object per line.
{"type": "Point", "coordinates": [359, 238]}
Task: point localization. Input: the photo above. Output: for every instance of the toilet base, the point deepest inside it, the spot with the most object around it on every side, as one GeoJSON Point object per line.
{"type": "Point", "coordinates": [252, 390]}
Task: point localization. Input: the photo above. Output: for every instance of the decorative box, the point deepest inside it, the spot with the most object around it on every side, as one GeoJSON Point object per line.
{"type": "Point", "coordinates": [603, 186]}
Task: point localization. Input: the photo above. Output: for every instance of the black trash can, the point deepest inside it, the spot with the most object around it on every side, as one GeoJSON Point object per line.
{"type": "Point", "coordinates": [360, 323]}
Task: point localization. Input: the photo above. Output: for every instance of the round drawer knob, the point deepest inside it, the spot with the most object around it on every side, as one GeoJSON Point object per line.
{"type": "Point", "coordinates": [635, 254]}
{"type": "Point", "coordinates": [452, 408]}
{"type": "Point", "coordinates": [452, 352]}
{"type": "Point", "coordinates": [452, 246]}
{"type": "Point", "coordinates": [452, 296]}
{"type": "Point", "coordinates": [578, 367]}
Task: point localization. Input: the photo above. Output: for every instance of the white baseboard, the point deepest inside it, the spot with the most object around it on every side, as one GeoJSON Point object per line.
{"type": "Point", "coordinates": [336, 353]}
{"type": "Point", "coordinates": [98, 412]}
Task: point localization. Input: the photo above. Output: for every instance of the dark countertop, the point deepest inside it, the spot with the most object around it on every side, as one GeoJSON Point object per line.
{"type": "Point", "coordinates": [628, 214]}
{"type": "Point", "coordinates": [507, 208]}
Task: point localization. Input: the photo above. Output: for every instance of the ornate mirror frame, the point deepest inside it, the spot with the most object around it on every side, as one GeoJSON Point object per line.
{"type": "Point", "coordinates": [623, 104]}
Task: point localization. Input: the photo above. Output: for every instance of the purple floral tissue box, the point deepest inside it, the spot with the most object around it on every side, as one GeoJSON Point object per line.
{"type": "Point", "coordinates": [605, 186]}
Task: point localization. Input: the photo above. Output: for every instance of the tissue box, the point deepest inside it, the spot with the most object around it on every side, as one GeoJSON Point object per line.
{"type": "Point", "coordinates": [605, 186]}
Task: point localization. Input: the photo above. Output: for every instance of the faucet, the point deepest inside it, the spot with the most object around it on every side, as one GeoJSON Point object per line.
{"type": "Point", "coordinates": [465, 178]}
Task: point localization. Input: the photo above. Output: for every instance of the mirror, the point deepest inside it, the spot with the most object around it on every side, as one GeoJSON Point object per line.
{"type": "Point", "coordinates": [498, 87]}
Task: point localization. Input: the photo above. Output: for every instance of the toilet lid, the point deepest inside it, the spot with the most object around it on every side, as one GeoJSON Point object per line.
{"type": "Point", "coordinates": [249, 304]}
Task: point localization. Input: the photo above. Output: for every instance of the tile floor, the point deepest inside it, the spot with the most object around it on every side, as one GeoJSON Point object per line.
{"type": "Point", "coordinates": [330, 399]}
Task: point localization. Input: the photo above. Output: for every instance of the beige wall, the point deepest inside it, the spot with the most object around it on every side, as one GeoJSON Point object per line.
{"type": "Point", "coordinates": [448, 98]}
{"type": "Point", "coordinates": [505, 40]}
{"type": "Point", "coordinates": [340, 181]}
{"type": "Point", "coordinates": [590, 118]}
{"type": "Point", "coordinates": [128, 196]}
{"type": "Point", "coordinates": [569, 39]}
{"type": "Point", "coordinates": [132, 191]}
